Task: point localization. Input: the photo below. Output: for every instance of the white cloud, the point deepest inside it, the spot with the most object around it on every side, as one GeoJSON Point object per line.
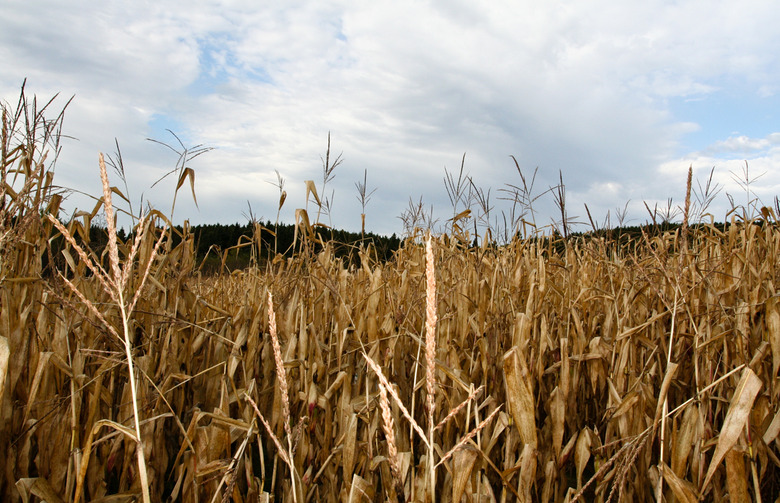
{"type": "Point", "coordinates": [753, 174]}
{"type": "Point", "coordinates": [739, 145]}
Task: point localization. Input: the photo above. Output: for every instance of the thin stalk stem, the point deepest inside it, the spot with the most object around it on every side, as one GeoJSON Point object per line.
{"type": "Point", "coordinates": [133, 393]}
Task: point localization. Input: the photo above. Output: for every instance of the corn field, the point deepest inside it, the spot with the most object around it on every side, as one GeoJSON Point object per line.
{"type": "Point", "coordinates": [543, 370]}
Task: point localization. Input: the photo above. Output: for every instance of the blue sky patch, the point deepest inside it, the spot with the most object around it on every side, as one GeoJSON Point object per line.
{"type": "Point", "coordinates": [724, 114]}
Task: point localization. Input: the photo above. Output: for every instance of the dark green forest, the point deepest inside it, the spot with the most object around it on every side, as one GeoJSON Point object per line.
{"type": "Point", "coordinates": [228, 247]}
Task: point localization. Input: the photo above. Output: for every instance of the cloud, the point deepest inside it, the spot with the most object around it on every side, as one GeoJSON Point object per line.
{"type": "Point", "coordinates": [744, 169]}
{"type": "Point", "coordinates": [405, 88]}
{"type": "Point", "coordinates": [743, 145]}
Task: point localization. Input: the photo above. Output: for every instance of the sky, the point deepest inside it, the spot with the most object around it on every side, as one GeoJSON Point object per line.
{"type": "Point", "coordinates": [617, 99]}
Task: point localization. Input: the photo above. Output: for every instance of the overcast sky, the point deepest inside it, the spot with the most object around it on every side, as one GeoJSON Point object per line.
{"type": "Point", "coordinates": [619, 97]}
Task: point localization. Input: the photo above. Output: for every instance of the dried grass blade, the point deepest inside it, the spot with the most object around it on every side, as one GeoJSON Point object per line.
{"type": "Point", "coordinates": [558, 415]}
{"type": "Point", "coordinates": [430, 340]}
{"type": "Point", "coordinates": [145, 274]}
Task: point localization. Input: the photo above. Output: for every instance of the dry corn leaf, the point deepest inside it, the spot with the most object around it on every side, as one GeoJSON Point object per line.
{"type": "Point", "coordinates": [462, 466]}
{"type": "Point", "coordinates": [558, 413]}
{"type": "Point", "coordinates": [38, 487]}
{"type": "Point", "coordinates": [186, 173]}
{"type": "Point", "coordinates": [683, 490]}
{"type": "Point", "coordinates": [350, 441]}
{"type": "Point", "coordinates": [302, 225]}
{"type": "Point", "coordinates": [43, 361]}
{"type": "Point", "coordinates": [627, 404]}
{"type": "Point", "coordinates": [87, 451]}
{"type": "Point", "coordinates": [773, 429]}
{"type": "Point", "coordinates": [311, 188]}
{"type": "Point", "coordinates": [582, 454]}
{"type": "Point", "coordinates": [737, 415]}
{"type": "Point", "coordinates": [360, 489]}
{"type": "Point", "coordinates": [690, 431]}
{"type": "Point", "coordinates": [671, 369]}
{"type": "Point", "coordinates": [567, 450]}
{"type": "Point", "coordinates": [519, 392]}
{"type": "Point", "coordinates": [522, 330]}
{"type": "Point", "coordinates": [773, 330]}
{"type": "Point", "coordinates": [550, 476]}
{"type": "Point", "coordinates": [736, 476]}
{"type": "Point", "coordinates": [117, 498]}
{"type": "Point", "coordinates": [4, 354]}
{"type": "Point", "coordinates": [527, 471]}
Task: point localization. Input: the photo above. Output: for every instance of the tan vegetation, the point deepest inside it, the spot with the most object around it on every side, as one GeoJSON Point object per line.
{"type": "Point", "coordinates": [543, 370]}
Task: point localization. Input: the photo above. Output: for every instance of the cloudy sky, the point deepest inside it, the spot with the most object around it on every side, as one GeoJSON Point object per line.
{"type": "Point", "coordinates": [618, 97]}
